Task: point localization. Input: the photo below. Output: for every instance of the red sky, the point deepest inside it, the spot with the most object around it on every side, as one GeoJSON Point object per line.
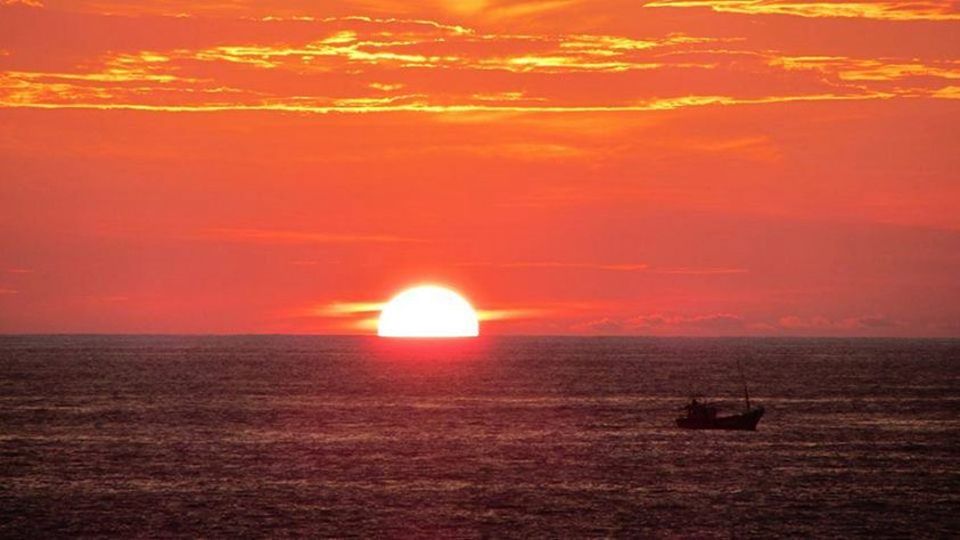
{"type": "Point", "coordinates": [674, 167]}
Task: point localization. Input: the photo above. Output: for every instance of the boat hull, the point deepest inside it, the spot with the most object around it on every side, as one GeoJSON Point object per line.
{"type": "Point", "coordinates": [740, 422]}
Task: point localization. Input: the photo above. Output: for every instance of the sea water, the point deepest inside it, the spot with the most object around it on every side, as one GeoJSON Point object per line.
{"type": "Point", "coordinates": [494, 437]}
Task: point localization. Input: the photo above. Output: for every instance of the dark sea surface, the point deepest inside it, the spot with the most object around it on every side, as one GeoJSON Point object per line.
{"type": "Point", "coordinates": [495, 437]}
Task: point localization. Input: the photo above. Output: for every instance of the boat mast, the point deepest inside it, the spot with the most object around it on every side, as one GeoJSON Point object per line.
{"type": "Point", "coordinates": [746, 392]}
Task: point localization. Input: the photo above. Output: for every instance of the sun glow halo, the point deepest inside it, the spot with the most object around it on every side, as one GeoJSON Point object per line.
{"type": "Point", "coordinates": [428, 311]}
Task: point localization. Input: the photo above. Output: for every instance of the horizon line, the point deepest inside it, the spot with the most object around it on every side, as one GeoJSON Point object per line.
{"type": "Point", "coordinates": [572, 336]}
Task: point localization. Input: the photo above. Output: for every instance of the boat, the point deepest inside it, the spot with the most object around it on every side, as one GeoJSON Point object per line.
{"type": "Point", "coordinates": [704, 415]}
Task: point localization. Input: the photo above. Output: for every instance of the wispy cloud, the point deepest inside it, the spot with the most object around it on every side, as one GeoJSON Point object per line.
{"type": "Point", "coordinates": [629, 267]}
{"type": "Point", "coordinates": [510, 10]}
{"type": "Point", "coordinates": [109, 299]}
{"type": "Point", "coordinates": [300, 106]}
{"type": "Point", "coordinates": [663, 323]}
{"type": "Point", "coordinates": [30, 3]}
{"type": "Point", "coordinates": [365, 65]}
{"type": "Point", "coordinates": [512, 313]}
{"type": "Point", "coordinates": [343, 309]}
{"type": "Point", "coordinates": [845, 68]}
{"type": "Point", "coordinates": [485, 10]}
{"type": "Point", "coordinates": [611, 267]}
{"type": "Point", "coordinates": [272, 236]}
{"type": "Point", "coordinates": [880, 10]}
{"type": "Point", "coordinates": [690, 271]}
{"type": "Point", "coordinates": [439, 46]}
{"type": "Point", "coordinates": [367, 310]}
{"type": "Point", "coordinates": [822, 323]}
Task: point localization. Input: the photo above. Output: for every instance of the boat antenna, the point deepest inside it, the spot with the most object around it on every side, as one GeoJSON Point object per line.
{"type": "Point", "coordinates": [746, 392]}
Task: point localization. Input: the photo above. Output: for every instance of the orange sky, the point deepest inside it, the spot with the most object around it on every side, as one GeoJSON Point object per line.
{"type": "Point", "coordinates": [673, 167]}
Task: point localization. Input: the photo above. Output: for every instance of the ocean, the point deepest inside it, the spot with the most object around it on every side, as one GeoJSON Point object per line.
{"type": "Point", "coordinates": [266, 436]}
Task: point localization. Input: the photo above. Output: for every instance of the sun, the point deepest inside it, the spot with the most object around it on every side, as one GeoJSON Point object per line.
{"type": "Point", "coordinates": [428, 311]}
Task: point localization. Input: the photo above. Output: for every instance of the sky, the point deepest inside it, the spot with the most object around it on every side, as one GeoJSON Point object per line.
{"type": "Point", "coordinates": [597, 167]}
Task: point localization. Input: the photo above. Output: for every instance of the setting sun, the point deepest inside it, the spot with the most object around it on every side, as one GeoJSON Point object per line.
{"type": "Point", "coordinates": [428, 311]}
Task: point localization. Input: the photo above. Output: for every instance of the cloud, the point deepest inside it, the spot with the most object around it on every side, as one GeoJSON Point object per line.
{"type": "Point", "coordinates": [668, 323]}
{"type": "Point", "coordinates": [511, 313]}
{"type": "Point", "coordinates": [708, 321]}
{"type": "Point", "coordinates": [732, 324]}
{"type": "Point", "coordinates": [385, 87]}
{"type": "Point", "coordinates": [875, 322]}
{"type": "Point", "coordinates": [844, 68]}
{"type": "Point", "coordinates": [355, 64]}
{"type": "Point", "coordinates": [628, 267]}
{"type": "Point", "coordinates": [362, 106]}
{"type": "Point", "coordinates": [689, 271]}
{"type": "Point", "coordinates": [353, 316]}
{"type": "Point", "coordinates": [343, 309]}
{"type": "Point", "coordinates": [108, 299]}
{"type": "Point", "coordinates": [486, 10]}
{"type": "Point", "coordinates": [361, 308]}
{"type": "Point", "coordinates": [604, 325]}
{"type": "Point", "coordinates": [273, 236]}
{"type": "Point", "coordinates": [612, 267]}
{"type": "Point", "coordinates": [501, 11]}
{"type": "Point", "coordinates": [881, 10]}
{"type": "Point", "coordinates": [948, 92]}
{"type": "Point", "coordinates": [821, 323]}
{"type": "Point", "coordinates": [336, 316]}
{"type": "Point", "coordinates": [425, 44]}
{"type": "Point", "coordinates": [792, 322]}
